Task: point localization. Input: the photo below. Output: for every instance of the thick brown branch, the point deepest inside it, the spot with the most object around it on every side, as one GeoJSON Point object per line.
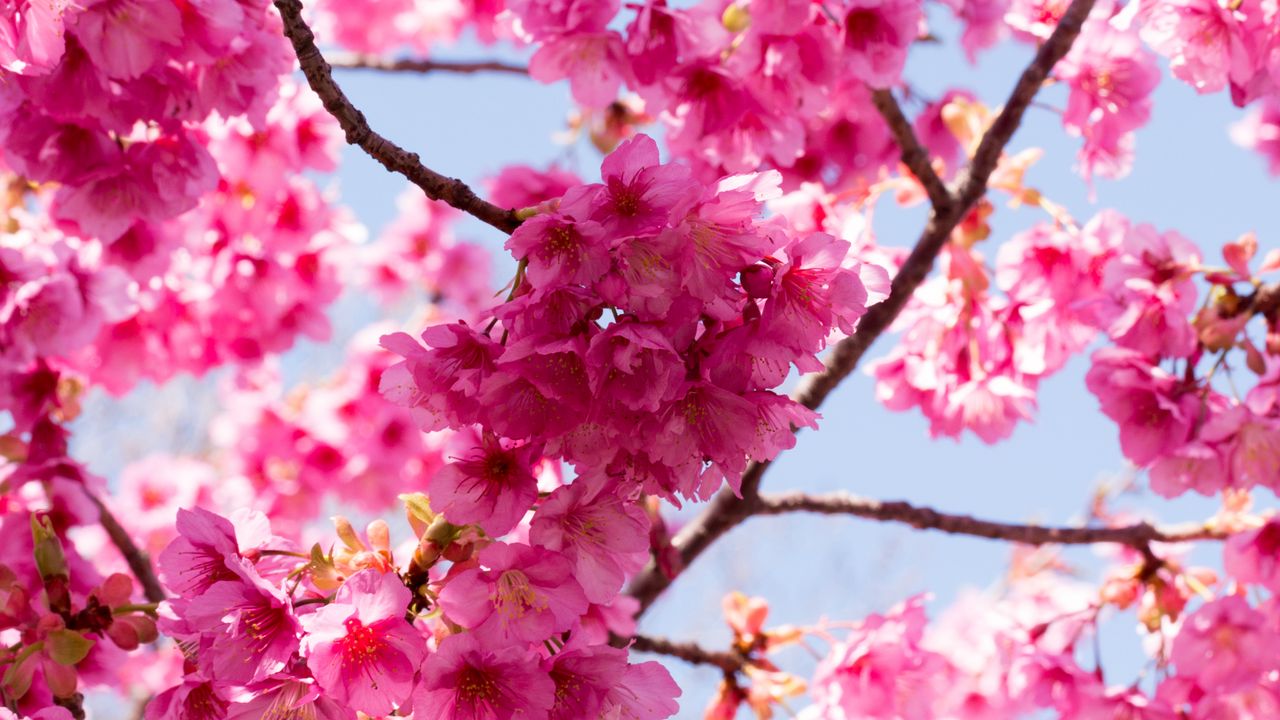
{"type": "Point", "coordinates": [726, 510]}
{"type": "Point", "coordinates": [391, 156]}
{"type": "Point", "coordinates": [358, 61]}
{"type": "Point", "coordinates": [924, 518]}
{"type": "Point", "coordinates": [138, 561]}
{"type": "Point", "coordinates": [689, 652]}
{"type": "Point", "coordinates": [914, 156]}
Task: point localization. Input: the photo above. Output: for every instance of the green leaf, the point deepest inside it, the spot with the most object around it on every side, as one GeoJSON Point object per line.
{"type": "Point", "coordinates": [67, 647]}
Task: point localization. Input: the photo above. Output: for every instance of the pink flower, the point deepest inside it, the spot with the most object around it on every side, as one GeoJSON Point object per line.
{"type": "Point", "coordinates": [1034, 20]}
{"type": "Point", "coordinates": [605, 536]}
{"type": "Point", "coordinates": [515, 594]}
{"type": "Point", "coordinates": [634, 365]}
{"type": "Point", "coordinates": [646, 692]}
{"type": "Point", "coordinates": [722, 235]}
{"type": "Point", "coordinates": [539, 18]}
{"type": "Point", "coordinates": [812, 292]}
{"type": "Point", "coordinates": [561, 248]}
{"type": "Point", "coordinates": [880, 670]}
{"type": "Point", "coordinates": [654, 40]}
{"type": "Point", "coordinates": [196, 698]}
{"type": "Point", "coordinates": [1255, 452]}
{"type": "Point", "coordinates": [1154, 412]}
{"type": "Point", "coordinates": [521, 186]}
{"type": "Point", "coordinates": [1198, 466]}
{"type": "Point", "coordinates": [1152, 296]}
{"type": "Point", "coordinates": [285, 696]}
{"type": "Point", "coordinates": [639, 193]}
{"type": "Point", "coordinates": [877, 36]}
{"type": "Point", "coordinates": [125, 38]}
{"type": "Point", "coordinates": [203, 553]}
{"type": "Point", "coordinates": [492, 486]}
{"type": "Point", "coordinates": [1225, 646]}
{"type": "Point", "coordinates": [465, 680]}
{"type": "Point", "coordinates": [595, 64]}
{"type": "Point", "coordinates": [990, 406]}
{"type": "Point", "coordinates": [710, 424]}
{"type": "Point", "coordinates": [777, 418]}
{"type": "Point", "coordinates": [360, 649]}
{"type": "Point", "coordinates": [31, 36]}
{"type": "Point", "coordinates": [540, 389]}
{"type": "Point", "coordinates": [1259, 131]}
{"type": "Point", "coordinates": [1208, 44]}
{"type": "Point", "coordinates": [253, 629]}
{"type": "Point", "coordinates": [441, 383]}
{"type": "Point", "coordinates": [984, 24]}
{"type": "Point", "coordinates": [1254, 556]}
{"type": "Point", "coordinates": [584, 677]}
{"type": "Point", "coordinates": [1111, 76]}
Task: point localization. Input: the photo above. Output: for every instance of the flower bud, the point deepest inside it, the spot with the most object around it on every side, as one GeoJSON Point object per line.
{"type": "Point", "coordinates": [50, 560]}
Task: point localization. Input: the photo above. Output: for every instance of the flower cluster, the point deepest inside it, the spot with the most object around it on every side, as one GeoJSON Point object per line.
{"type": "Point", "coordinates": [246, 272]}
{"type": "Point", "coordinates": [419, 252]}
{"type": "Point", "coordinates": [505, 631]}
{"type": "Point", "coordinates": [1023, 651]}
{"type": "Point", "coordinates": [335, 439]}
{"type": "Point", "coordinates": [650, 320]}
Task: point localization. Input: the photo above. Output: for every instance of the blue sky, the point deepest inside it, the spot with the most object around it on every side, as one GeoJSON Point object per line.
{"type": "Point", "coordinates": [1188, 176]}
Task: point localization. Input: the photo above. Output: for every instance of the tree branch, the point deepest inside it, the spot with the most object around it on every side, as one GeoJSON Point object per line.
{"type": "Point", "coordinates": [360, 61]}
{"type": "Point", "coordinates": [914, 156]}
{"type": "Point", "coordinates": [689, 652]}
{"type": "Point", "coordinates": [924, 518]}
{"type": "Point", "coordinates": [138, 561]}
{"type": "Point", "coordinates": [1264, 301]}
{"type": "Point", "coordinates": [726, 510]}
{"type": "Point", "coordinates": [391, 156]}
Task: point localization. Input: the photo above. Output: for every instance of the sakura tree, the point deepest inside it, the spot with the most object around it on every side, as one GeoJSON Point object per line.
{"type": "Point", "coordinates": [521, 469]}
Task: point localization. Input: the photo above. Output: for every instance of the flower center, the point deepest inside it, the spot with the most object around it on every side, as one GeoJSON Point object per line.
{"type": "Point", "coordinates": [361, 643]}
{"type": "Point", "coordinates": [515, 597]}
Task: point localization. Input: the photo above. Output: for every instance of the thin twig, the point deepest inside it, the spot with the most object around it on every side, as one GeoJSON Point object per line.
{"type": "Point", "coordinates": [393, 157]}
{"type": "Point", "coordinates": [360, 61]}
{"type": "Point", "coordinates": [923, 518]}
{"type": "Point", "coordinates": [138, 561]}
{"type": "Point", "coordinates": [914, 156]}
{"type": "Point", "coordinates": [689, 652]}
{"type": "Point", "coordinates": [727, 510]}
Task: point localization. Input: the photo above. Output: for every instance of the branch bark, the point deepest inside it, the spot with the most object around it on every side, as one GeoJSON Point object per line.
{"type": "Point", "coordinates": [689, 652]}
{"type": "Point", "coordinates": [924, 518]}
{"type": "Point", "coordinates": [359, 61]}
{"type": "Point", "coordinates": [138, 561]}
{"type": "Point", "coordinates": [726, 510]}
{"type": "Point", "coordinates": [393, 157]}
{"type": "Point", "coordinates": [914, 156]}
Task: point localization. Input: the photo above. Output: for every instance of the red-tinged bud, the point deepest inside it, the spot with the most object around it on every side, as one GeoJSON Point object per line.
{"type": "Point", "coordinates": [124, 635]}
{"type": "Point", "coordinates": [115, 590]}
{"type": "Point", "coordinates": [1121, 592]}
